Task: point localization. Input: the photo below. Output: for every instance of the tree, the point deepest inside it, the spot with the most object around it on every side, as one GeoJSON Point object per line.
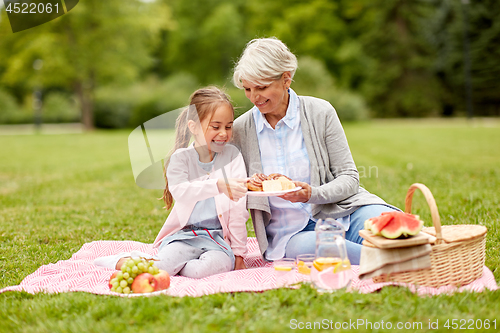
{"type": "Point", "coordinates": [320, 28]}
{"type": "Point", "coordinates": [446, 33]}
{"type": "Point", "coordinates": [98, 42]}
{"type": "Point", "coordinates": [206, 39]}
{"type": "Point", "coordinates": [401, 81]}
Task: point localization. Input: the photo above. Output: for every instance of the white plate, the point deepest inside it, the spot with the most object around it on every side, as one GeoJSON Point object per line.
{"type": "Point", "coordinates": [271, 194]}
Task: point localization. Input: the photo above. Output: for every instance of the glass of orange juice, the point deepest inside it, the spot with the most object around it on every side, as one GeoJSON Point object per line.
{"type": "Point", "coordinates": [304, 263]}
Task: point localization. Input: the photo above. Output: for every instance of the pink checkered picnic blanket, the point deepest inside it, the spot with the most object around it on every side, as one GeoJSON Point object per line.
{"type": "Point", "coordinates": [80, 274]}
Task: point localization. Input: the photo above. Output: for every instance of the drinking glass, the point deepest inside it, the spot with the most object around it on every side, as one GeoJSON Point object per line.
{"type": "Point", "coordinates": [304, 263]}
{"type": "Point", "coordinates": [284, 271]}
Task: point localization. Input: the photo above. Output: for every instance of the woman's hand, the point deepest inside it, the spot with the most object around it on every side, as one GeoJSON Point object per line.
{"type": "Point", "coordinates": [239, 263]}
{"type": "Point", "coordinates": [234, 189]}
{"type": "Point", "coordinates": [303, 195]}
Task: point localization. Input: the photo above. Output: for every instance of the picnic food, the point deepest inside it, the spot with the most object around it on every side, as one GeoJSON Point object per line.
{"type": "Point", "coordinates": [144, 283]}
{"type": "Point", "coordinates": [302, 268]}
{"type": "Point", "coordinates": [259, 182]}
{"type": "Point", "coordinates": [132, 277]}
{"type": "Point", "coordinates": [283, 268]}
{"type": "Point", "coordinates": [456, 259]}
{"type": "Point", "coordinates": [162, 280]}
{"type": "Point", "coordinates": [394, 225]}
{"type": "Point", "coordinates": [112, 278]}
{"type": "Point", "coordinates": [323, 262]}
{"type": "Point", "coordinates": [254, 183]}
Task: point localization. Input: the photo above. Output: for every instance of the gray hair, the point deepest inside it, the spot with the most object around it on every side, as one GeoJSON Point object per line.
{"type": "Point", "coordinates": [263, 61]}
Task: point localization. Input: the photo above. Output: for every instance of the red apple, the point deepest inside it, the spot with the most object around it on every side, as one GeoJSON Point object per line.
{"type": "Point", "coordinates": [144, 283]}
{"type": "Point", "coordinates": [111, 278]}
{"type": "Point", "coordinates": [162, 280]}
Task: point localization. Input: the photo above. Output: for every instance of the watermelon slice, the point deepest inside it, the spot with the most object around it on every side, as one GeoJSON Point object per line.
{"type": "Point", "coordinates": [381, 222]}
{"type": "Point", "coordinates": [413, 223]}
{"type": "Point", "coordinates": [402, 225]}
{"type": "Point", "coordinates": [369, 223]}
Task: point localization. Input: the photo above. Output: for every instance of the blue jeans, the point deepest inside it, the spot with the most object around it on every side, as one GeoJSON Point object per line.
{"type": "Point", "coordinates": [305, 241]}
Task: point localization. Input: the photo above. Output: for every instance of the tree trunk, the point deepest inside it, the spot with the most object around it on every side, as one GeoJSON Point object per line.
{"type": "Point", "coordinates": [84, 92]}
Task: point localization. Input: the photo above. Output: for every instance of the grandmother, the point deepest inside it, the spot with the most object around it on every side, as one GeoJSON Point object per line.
{"type": "Point", "coordinates": [302, 138]}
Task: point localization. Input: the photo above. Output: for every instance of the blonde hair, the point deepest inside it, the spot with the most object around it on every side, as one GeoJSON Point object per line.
{"type": "Point", "coordinates": [263, 61]}
{"type": "Point", "coordinates": [202, 104]}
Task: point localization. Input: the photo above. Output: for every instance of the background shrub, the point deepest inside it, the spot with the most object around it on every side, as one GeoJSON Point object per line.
{"type": "Point", "coordinates": [59, 108]}
{"type": "Point", "coordinates": [312, 78]}
{"type": "Point", "coordinates": [11, 112]}
{"type": "Point", "coordinates": [130, 106]}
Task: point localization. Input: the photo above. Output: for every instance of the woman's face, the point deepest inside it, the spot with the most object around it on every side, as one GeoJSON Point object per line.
{"type": "Point", "coordinates": [271, 99]}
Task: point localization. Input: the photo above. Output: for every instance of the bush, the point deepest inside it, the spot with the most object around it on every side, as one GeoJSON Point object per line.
{"type": "Point", "coordinates": [111, 107]}
{"type": "Point", "coordinates": [11, 112]}
{"type": "Point", "coordinates": [56, 108]}
{"type": "Point", "coordinates": [131, 106]}
{"type": "Point", "coordinates": [59, 108]}
{"type": "Point", "coordinates": [161, 97]}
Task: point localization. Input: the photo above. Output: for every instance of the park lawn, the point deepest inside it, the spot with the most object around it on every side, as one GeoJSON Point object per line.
{"type": "Point", "coordinates": [58, 192]}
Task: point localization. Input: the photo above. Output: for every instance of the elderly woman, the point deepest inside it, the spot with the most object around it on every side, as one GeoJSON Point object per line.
{"type": "Point", "coordinates": [302, 138]}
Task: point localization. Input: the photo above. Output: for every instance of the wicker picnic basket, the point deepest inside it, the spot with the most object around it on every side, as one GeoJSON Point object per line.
{"type": "Point", "coordinates": [457, 256]}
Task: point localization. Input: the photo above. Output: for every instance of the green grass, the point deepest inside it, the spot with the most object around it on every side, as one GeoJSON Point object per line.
{"type": "Point", "coordinates": [59, 192]}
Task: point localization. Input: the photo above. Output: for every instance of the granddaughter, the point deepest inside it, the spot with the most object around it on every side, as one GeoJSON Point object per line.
{"type": "Point", "coordinates": [205, 233]}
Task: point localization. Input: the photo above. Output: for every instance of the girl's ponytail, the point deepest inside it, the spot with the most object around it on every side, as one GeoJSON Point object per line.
{"type": "Point", "coordinates": [182, 137]}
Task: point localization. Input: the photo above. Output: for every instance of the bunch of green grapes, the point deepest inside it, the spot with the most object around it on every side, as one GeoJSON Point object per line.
{"type": "Point", "coordinates": [122, 280]}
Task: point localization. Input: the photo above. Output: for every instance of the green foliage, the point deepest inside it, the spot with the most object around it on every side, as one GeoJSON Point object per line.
{"type": "Point", "coordinates": [11, 113]}
{"type": "Point", "coordinates": [58, 192]}
{"type": "Point", "coordinates": [162, 97]}
{"type": "Point", "coordinates": [206, 39]}
{"type": "Point", "coordinates": [313, 79]}
{"type": "Point", "coordinates": [400, 82]}
{"type": "Point", "coordinates": [240, 101]}
{"type": "Point", "coordinates": [399, 58]}
{"type": "Point", "coordinates": [120, 106]}
{"type": "Point", "coordinates": [445, 32]}
{"type": "Point", "coordinates": [59, 108]}
{"type": "Point", "coordinates": [111, 108]}
{"type": "Point", "coordinates": [95, 44]}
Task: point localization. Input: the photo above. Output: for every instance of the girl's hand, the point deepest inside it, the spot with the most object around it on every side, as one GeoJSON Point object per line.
{"type": "Point", "coordinates": [234, 189]}
{"type": "Point", "coordinates": [239, 263]}
{"type": "Point", "coordinates": [303, 195]}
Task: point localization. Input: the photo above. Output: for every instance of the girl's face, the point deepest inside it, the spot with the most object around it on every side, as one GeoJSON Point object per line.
{"type": "Point", "coordinates": [215, 131]}
{"type": "Point", "coordinates": [271, 99]}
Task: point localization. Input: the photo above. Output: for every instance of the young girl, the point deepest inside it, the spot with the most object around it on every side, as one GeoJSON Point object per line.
{"type": "Point", "coordinates": [205, 233]}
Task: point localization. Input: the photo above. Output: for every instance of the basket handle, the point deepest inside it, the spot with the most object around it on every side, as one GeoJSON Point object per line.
{"type": "Point", "coordinates": [432, 205]}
